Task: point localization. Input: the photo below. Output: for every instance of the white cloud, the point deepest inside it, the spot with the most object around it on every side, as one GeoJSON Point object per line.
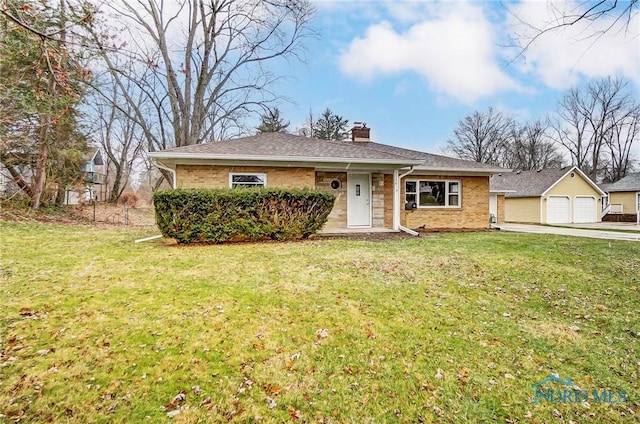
{"type": "Point", "coordinates": [560, 58]}
{"type": "Point", "coordinates": [453, 49]}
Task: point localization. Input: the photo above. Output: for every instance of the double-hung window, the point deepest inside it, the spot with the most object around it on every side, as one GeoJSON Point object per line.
{"type": "Point", "coordinates": [247, 179]}
{"type": "Point", "coordinates": [429, 193]}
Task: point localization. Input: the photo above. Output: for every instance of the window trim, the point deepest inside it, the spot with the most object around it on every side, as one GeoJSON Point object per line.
{"type": "Point", "coordinates": [447, 193]}
{"type": "Point", "coordinates": [260, 174]}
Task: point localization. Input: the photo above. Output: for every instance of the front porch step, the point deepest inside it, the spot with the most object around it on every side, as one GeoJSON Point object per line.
{"type": "Point", "coordinates": [620, 217]}
{"type": "Point", "coordinates": [357, 230]}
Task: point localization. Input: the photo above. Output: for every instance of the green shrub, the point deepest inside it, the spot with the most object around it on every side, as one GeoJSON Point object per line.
{"type": "Point", "coordinates": [219, 215]}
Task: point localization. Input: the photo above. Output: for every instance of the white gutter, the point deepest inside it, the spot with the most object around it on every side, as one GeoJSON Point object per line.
{"type": "Point", "coordinates": [396, 202]}
{"type": "Point", "coordinates": [454, 170]}
{"type": "Point", "coordinates": [173, 173]}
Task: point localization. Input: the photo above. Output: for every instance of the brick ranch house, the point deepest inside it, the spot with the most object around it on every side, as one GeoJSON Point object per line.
{"type": "Point", "coordinates": [377, 186]}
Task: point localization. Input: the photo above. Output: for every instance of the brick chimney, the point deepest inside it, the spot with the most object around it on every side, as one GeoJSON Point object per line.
{"type": "Point", "coordinates": [360, 132]}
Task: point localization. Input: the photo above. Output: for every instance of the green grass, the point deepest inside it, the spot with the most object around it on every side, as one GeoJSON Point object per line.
{"type": "Point", "coordinates": [446, 328]}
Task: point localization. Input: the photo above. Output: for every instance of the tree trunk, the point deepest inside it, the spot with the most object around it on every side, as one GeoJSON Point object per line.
{"type": "Point", "coordinates": [19, 180]}
{"type": "Point", "coordinates": [115, 188]}
{"type": "Point", "coordinates": [41, 167]}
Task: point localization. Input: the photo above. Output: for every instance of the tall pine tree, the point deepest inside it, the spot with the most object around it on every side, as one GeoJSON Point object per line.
{"type": "Point", "coordinates": [271, 122]}
{"type": "Point", "coordinates": [331, 127]}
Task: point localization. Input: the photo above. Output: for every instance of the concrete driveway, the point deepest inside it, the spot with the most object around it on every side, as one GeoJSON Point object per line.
{"type": "Point", "coordinates": [578, 232]}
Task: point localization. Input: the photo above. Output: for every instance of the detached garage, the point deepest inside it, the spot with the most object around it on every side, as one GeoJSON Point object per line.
{"type": "Point", "coordinates": [549, 196]}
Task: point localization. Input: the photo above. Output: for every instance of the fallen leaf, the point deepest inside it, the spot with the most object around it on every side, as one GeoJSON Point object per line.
{"type": "Point", "coordinates": [463, 373]}
{"type": "Point", "coordinates": [556, 413]}
{"type": "Point", "coordinates": [322, 333]}
{"type": "Point", "coordinates": [177, 399]}
{"type": "Point", "coordinates": [439, 374]}
{"type": "Point", "coordinates": [271, 403]}
{"type": "Point", "coordinates": [174, 413]}
{"type": "Point", "coordinates": [294, 413]}
{"type": "Point", "coordinates": [275, 390]}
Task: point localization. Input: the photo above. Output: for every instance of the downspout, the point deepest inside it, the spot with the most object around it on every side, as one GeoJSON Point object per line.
{"type": "Point", "coordinates": [173, 185]}
{"type": "Point", "coordinates": [171, 170]}
{"type": "Point", "coordinates": [396, 199]}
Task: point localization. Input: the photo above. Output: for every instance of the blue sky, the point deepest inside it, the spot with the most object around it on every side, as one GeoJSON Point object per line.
{"type": "Point", "coordinates": [412, 69]}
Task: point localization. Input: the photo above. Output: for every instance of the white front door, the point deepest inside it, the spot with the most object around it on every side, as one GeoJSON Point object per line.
{"type": "Point", "coordinates": [358, 200]}
{"type": "Point", "coordinates": [493, 206]}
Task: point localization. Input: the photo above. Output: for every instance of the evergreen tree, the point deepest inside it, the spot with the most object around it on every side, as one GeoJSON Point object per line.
{"type": "Point", "coordinates": [331, 127]}
{"type": "Point", "coordinates": [41, 89]}
{"type": "Point", "coordinates": [271, 122]}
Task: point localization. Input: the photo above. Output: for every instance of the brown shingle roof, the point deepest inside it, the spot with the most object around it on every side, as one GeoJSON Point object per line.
{"type": "Point", "coordinates": [631, 182]}
{"type": "Point", "coordinates": [527, 183]}
{"type": "Point", "coordinates": [432, 161]}
{"type": "Point", "coordinates": [282, 146]}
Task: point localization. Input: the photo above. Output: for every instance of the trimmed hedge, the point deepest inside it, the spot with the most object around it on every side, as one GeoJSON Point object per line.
{"type": "Point", "coordinates": [219, 215]}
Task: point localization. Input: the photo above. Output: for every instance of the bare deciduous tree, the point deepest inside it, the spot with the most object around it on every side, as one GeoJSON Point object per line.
{"type": "Point", "coordinates": [588, 120]}
{"type": "Point", "coordinates": [201, 67]}
{"type": "Point", "coordinates": [622, 138]}
{"type": "Point", "coordinates": [482, 137]}
{"type": "Point", "coordinates": [620, 14]}
{"type": "Point", "coordinates": [531, 148]}
{"type": "Point", "coordinates": [118, 137]}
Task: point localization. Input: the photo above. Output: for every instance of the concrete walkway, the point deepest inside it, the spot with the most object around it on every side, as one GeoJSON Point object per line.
{"type": "Point", "coordinates": [576, 232]}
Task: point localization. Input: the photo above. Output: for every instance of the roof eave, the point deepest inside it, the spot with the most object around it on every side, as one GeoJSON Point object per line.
{"type": "Point", "coordinates": [483, 171]}
{"type": "Point", "coordinates": [498, 191]}
{"type": "Point", "coordinates": [302, 159]}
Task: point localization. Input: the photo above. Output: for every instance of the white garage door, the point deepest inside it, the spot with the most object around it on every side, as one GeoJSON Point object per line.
{"type": "Point", "coordinates": [558, 210]}
{"type": "Point", "coordinates": [584, 210]}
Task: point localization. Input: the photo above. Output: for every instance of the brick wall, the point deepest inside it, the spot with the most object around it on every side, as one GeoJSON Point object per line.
{"type": "Point", "coordinates": [338, 215]}
{"type": "Point", "coordinates": [377, 200]}
{"type": "Point", "coordinates": [210, 176]}
{"type": "Point", "coordinates": [388, 201]}
{"type": "Point", "coordinates": [473, 212]}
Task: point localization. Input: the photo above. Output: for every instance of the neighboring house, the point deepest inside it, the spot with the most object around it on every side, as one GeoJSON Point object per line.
{"type": "Point", "coordinates": [497, 203]}
{"type": "Point", "coordinates": [377, 186]}
{"type": "Point", "coordinates": [624, 197]}
{"type": "Point", "coordinates": [91, 182]}
{"type": "Point", "coordinates": [549, 196]}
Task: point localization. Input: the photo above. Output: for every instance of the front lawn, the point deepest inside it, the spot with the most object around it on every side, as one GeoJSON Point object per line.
{"type": "Point", "coordinates": [445, 328]}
